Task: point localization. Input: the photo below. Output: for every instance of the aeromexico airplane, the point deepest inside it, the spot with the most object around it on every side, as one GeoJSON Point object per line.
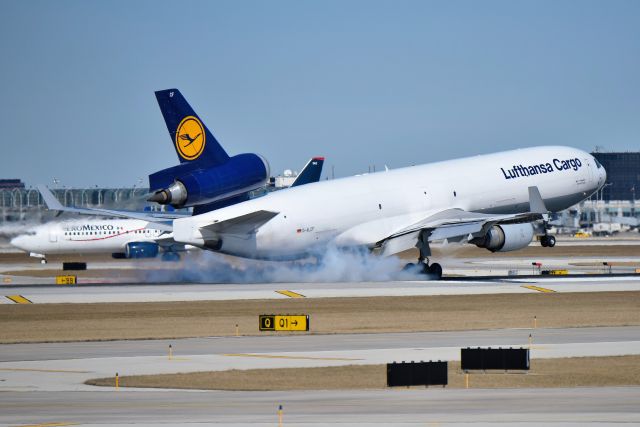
{"type": "Point", "coordinates": [127, 238]}
{"type": "Point", "coordinates": [491, 201]}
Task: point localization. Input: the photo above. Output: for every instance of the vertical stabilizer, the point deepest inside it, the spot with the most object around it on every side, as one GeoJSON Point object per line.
{"type": "Point", "coordinates": [192, 140]}
{"type": "Point", "coordinates": [310, 173]}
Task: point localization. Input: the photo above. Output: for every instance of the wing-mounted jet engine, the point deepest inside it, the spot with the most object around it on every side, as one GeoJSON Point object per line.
{"type": "Point", "coordinates": [505, 237]}
{"type": "Point", "coordinates": [206, 173]}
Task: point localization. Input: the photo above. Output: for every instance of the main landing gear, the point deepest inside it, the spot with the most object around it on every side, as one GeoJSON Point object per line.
{"type": "Point", "coordinates": [434, 271]}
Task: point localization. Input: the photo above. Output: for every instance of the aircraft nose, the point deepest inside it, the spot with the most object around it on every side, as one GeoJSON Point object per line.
{"type": "Point", "coordinates": [18, 242]}
{"type": "Point", "coordinates": [603, 175]}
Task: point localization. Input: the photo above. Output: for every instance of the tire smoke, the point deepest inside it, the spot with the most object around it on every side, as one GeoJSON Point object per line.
{"type": "Point", "coordinates": [329, 266]}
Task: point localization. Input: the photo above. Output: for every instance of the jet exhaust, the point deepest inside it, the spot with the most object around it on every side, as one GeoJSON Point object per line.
{"type": "Point", "coordinates": [175, 195]}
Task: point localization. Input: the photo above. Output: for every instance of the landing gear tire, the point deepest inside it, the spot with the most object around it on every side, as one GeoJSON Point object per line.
{"type": "Point", "coordinates": [435, 270]}
{"type": "Point", "coordinates": [408, 267]}
{"type": "Point", "coordinates": [548, 241]}
{"type": "Point", "coordinates": [43, 261]}
{"type": "Point", "coordinates": [170, 256]}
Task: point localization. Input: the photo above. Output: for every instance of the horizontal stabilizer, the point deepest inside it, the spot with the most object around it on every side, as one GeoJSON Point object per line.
{"type": "Point", "coordinates": [243, 224]}
{"type": "Point", "coordinates": [159, 220]}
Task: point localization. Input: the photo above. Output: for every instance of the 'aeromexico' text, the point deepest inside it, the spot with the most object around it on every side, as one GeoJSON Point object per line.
{"type": "Point", "coordinates": [518, 171]}
{"type": "Point", "coordinates": [90, 227]}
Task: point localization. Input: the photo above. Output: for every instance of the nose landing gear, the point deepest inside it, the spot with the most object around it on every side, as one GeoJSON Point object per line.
{"type": "Point", "coordinates": [548, 240]}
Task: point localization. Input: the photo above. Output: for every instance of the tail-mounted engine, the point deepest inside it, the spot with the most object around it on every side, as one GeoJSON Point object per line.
{"type": "Point", "coordinates": [189, 184]}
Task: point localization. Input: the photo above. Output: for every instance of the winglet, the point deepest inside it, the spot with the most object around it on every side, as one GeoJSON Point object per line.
{"type": "Point", "coordinates": [536, 204]}
{"type": "Point", "coordinates": [50, 200]}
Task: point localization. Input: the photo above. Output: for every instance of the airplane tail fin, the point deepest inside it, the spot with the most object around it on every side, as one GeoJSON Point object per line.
{"type": "Point", "coordinates": [191, 138]}
{"type": "Point", "coordinates": [310, 173]}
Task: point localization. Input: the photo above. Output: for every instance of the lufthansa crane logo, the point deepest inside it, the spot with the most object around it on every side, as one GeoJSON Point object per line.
{"type": "Point", "coordinates": [190, 138]}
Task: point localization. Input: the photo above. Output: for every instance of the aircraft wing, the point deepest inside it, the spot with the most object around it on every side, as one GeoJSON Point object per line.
{"type": "Point", "coordinates": [157, 220]}
{"type": "Point", "coordinates": [449, 224]}
{"type": "Point", "coordinates": [456, 223]}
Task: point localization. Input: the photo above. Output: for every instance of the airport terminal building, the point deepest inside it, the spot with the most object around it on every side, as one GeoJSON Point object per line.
{"type": "Point", "coordinates": [623, 175]}
{"type": "Point", "coordinates": [19, 202]}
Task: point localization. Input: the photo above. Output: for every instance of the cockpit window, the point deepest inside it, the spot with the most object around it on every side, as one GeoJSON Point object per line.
{"type": "Point", "coordinates": [597, 163]}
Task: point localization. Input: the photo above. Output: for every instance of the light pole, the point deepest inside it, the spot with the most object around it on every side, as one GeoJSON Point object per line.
{"type": "Point", "coordinates": [602, 189]}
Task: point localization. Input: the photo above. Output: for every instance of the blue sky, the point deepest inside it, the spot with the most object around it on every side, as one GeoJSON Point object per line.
{"type": "Point", "coordinates": [362, 83]}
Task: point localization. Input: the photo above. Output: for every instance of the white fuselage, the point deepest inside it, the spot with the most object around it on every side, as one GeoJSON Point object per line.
{"type": "Point", "coordinates": [85, 236]}
{"type": "Point", "coordinates": [362, 210]}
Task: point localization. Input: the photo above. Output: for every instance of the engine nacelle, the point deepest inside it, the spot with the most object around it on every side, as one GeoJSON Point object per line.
{"type": "Point", "coordinates": [506, 237]}
{"type": "Point", "coordinates": [141, 250]}
{"type": "Point", "coordinates": [188, 184]}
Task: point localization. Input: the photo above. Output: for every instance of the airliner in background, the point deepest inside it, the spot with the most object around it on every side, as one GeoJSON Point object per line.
{"type": "Point", "coordinates": [123, 238]}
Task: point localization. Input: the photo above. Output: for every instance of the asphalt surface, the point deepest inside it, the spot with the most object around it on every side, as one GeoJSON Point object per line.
{"type": "Point", "coordinates": [42, 294]}
{"type": "Point", "coordinates": [415, 407]}
{"type": "Point", "coordinates": [314, 343]}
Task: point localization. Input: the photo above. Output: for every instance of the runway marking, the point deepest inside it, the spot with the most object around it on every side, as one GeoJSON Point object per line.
{"type": "Point", "coordinates": [19, 299]}
{"type": "Point", "coordinates": [538, 288]}
{"type": "Point", "coordinates": [44, 370]}
{"type": "Point", "coordinates": [50, 425]}
{"type": "Point", "coordinates": [291, 294]}
{"type": "Point", "coordinates": [274, 356]}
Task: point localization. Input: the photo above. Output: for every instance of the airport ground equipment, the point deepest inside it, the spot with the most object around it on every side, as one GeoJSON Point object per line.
{"type": "Point", "coordinates": [495, 359]}
{"type": "Point", "coordinates": [407, 374]}
{"type": "Point", "coordinates": [74, 266]}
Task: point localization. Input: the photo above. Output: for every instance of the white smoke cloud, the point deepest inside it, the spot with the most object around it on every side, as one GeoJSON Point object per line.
{"type": "Point", "coordinates": [331, 265]}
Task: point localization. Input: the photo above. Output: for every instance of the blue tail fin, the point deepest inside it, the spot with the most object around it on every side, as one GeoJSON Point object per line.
{"type": "Point", "coordinates": [310, 173]}
{"type": "Point", "coordinates": [191, 138]}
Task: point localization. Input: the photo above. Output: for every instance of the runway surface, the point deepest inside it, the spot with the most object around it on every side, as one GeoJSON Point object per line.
{"type": "Point", "coordinates": [314, 343]}
{"type": "Point", "coordinates": [431, 407]}
{"type": "Point", "coordinates": [41, 294]}
{"type": "Point", "coordinates": [44, 382]}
